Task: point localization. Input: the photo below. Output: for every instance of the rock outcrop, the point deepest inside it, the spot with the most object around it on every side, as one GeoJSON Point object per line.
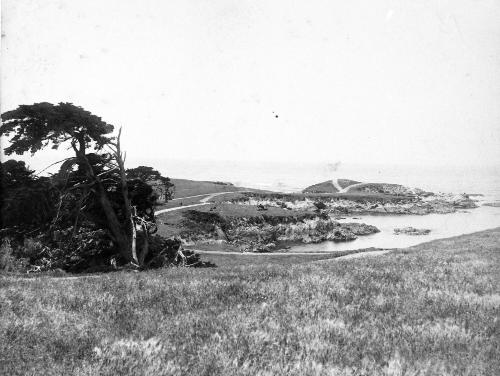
{"type": "Point", "coordinates": [266, 233]}
{"type": "Point", "coordinates": [420, 205]}
{"type": "Point", "coordinates": [389, 189]}
{"type": "Point", "coordinates": [411, 231]}
{"type": "Point", "coordinates": [495, 204]}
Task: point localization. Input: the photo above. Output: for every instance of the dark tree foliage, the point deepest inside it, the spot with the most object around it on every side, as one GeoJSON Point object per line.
{"type": "Point", "coordinates": [26, 200]}
{"type": "Point", "coordinates": [38, 125]}
{"type": "Point", "coordinates": [143, 198]}
{"type": "Point", "coordinates": [162, 185]}
{"type": "Point", "coordinates": [73, 180]}
{"type": "Point", "coordinates": [144, 173]}
{"type": "Point", "coordinates": [15, 174]}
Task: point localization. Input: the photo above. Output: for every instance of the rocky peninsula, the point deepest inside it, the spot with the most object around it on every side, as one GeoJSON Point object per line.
{"type": "Point", "coordinates": [362, 204]}
{"type": "Point", "coordinates": [254, 229]}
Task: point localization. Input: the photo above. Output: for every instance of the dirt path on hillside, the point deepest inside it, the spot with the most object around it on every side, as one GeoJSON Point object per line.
{"type": "Point", "coordinates": [347, 189]}
{"type": "Point", "coordinates": [345, 257]}
{"type": "Point", "coordinates": [336, 185]}
{"type": "Point", "coordinates": [186, 197]}
{"type": "Point", "coordinates": [364, 254]}
{"type": "Point", "coordinates": [179, 208]}
{"type": "Point", "coordinates": [349, 256]}
{"type": "Point", "coordinates": [203, 201]}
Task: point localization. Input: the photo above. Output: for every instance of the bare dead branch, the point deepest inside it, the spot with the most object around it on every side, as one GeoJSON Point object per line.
{"type": "Point", "coordinates": [52, 164]}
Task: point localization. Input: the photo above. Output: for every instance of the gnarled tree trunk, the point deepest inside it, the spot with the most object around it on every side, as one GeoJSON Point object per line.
{"type": "Point", "coordinates": [122, 237]}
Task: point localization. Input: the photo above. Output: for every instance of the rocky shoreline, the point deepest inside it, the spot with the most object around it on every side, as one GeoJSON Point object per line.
{"type": "Point", "coordinates": [340, 205]}
{"type": "Point", "coordinates": [266, 233]}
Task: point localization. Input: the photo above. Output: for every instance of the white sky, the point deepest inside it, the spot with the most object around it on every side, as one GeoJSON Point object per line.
{"type": "Point", "coordinates": [353, 81]}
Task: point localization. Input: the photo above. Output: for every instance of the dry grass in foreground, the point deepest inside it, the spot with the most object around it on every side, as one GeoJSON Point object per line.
{"type": "Point", "coordinates": [429, 310]}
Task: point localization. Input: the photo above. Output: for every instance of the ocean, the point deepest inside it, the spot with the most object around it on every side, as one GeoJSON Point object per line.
{"type": "Point", "coordinates": [293, 177]}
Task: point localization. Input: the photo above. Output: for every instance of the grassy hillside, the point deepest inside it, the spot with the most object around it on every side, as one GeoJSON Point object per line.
{"type": "Point", "coordinates": [428, 310]}
{"type": "Point", "coordinates": [324, 187]}
{"type": "Point", "coordinates": [188, 192]}
{"type": "Point", "coordinates": [185, 187]}
{"type": "Point", "coordinates": [344, 183]}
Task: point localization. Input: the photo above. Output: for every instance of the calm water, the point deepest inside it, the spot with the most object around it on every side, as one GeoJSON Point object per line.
{"type": "Point", "coordinates": [442, 226]}
{"type": "Point", "coordinates": [290, 177]}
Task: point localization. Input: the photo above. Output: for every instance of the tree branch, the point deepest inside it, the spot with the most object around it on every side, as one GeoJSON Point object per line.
{"type": "Point", "coordinates": [49, 166]}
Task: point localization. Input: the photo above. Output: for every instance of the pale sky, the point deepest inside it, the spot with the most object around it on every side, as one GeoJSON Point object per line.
{"type": "Point", "coordinates": [353, 81]}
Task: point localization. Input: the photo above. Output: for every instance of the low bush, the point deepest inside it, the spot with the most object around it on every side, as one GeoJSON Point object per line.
{"type": "Point", "coordinates": [89, 251]}
{"type": "Point", "coordinates": [320, 205]}
{"type": "Point", "coordinates": [8, 260]}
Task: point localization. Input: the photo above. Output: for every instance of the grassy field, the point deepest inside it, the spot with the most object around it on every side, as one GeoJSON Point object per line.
{"type": "Point", "coordinates": [185, 187]}
{"type": "Point", "coordinates": [428, 310]}
{"type": "Point", "coordinates": [195, 200]}
{"type": "Point", "coordinates": [344, 183]}
{"type": "Point", "coordinates": [188, 192]}
{"type": "Point", "coordinates": [171, 223]}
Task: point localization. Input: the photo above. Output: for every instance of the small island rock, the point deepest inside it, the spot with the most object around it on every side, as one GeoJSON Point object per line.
{"type": "Point", "coordinates": [411, 231]}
